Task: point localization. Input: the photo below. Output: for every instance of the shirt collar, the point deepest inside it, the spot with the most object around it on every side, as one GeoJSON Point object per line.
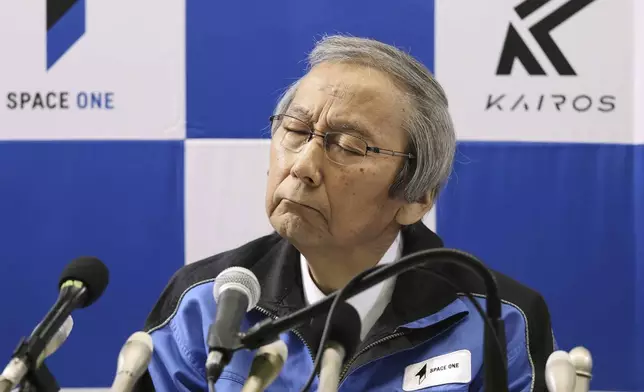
{"type": "Point", "coordinates": [418, 293]}
{"type": "Point", "coordinates": [370, 303]}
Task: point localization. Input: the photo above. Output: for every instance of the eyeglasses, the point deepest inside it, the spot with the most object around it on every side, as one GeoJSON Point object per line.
{"type": "Point", "coordinates": [339, 147]}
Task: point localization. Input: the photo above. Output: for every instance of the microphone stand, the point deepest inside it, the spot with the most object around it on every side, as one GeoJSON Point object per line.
{"type": "Point", "coordinates": [38, 379]}
{"type": "Point", "coordinates": [495, 360]}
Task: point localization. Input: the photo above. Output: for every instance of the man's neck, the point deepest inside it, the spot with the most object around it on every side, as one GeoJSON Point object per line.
{"type": "Point", "coordinates": [332, 268]}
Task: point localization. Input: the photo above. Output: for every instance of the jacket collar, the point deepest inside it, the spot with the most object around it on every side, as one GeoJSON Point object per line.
{"type": "Point", "coordinates": [417, 293]}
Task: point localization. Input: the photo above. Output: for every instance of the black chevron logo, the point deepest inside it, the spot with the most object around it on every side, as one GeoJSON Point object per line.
{"type": "Point", "coordinates": [515, 48]}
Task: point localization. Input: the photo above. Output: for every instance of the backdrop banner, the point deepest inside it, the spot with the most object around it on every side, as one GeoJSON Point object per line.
{"type": "Point", "coordinates": [138, 132]}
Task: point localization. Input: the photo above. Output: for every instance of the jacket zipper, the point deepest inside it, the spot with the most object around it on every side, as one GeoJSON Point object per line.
{"type": "Point", "coordinates": [394, 335]}
{"type": "Point", "coordinates": [365, 349]}
{"type": "Point", "coordinates": [295, 331]}
{"type": "Point", "coordinates": [352, 360]}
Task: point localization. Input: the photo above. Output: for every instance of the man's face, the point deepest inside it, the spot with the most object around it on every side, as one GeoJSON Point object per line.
{"type": "Point", "coordinates": [314, 201]}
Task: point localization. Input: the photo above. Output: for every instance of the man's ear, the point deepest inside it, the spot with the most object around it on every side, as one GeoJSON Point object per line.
{"type": "Point", "coordinates": [410, 213]}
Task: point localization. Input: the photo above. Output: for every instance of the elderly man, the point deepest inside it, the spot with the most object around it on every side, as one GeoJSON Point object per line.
{"type": "Point", "coordinates": [360, 147]}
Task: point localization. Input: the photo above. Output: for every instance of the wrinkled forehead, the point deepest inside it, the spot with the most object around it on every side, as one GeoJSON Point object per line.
{"type": "Point", "coordinates": [347, 96]}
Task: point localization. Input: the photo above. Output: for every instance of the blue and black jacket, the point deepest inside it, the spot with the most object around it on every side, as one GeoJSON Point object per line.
{"type": "Point", "coordinates": [429, 338]}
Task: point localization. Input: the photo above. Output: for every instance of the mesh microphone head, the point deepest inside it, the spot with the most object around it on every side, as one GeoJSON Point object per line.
{"type": "Point", "coordinates": [92, 272]}
{"type": "Point", "coordinates": [344, 329]}
{"type": "Point", "coordinates": [241, 279]}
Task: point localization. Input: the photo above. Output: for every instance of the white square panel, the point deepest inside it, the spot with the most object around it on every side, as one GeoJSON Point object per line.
{"type": "Point", "coordinates": [595, 105]}
{"type": "Point", "coordinates": [132, 53]}
{"type": "Point", "coordinates": [430, 220]}
{"type": "Point", "coordinates": [225, 183]}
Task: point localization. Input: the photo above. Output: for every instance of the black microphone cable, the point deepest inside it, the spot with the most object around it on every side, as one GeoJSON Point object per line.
{"type": "Point", "coordinates": [327, 324]}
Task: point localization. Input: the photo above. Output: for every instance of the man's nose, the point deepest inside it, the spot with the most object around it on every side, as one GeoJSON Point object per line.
{"type": "Point", "coordinates": [309, 161]}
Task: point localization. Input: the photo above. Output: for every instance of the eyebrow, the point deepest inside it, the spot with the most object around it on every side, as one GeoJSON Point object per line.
{"type": "Point", "coordinates": [299, 112]}
{"type": "Point", "coordinates": [345, 125]}
{"type": "Point", "coordinates": [339, 125]}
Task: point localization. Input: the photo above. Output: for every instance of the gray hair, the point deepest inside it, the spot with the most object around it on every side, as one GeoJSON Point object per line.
{"type": "Point", "coordinates": [432, 139]}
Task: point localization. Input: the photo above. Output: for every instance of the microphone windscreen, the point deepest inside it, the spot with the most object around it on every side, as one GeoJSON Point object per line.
{"type": "Point", "coordinates": [560, 372]}
{"type": "Point", "coordinates": [345, 327]}
{"type": "Point", "coordinates": [92, 272]}
{"type": "Point", "coordinates": [582, 360]}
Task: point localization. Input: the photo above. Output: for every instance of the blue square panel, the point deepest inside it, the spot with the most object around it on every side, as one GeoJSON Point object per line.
{"type": "Point", "coordinates": [242, 55]}
{"type": "Point", "coordinates": [639, 259]}
{"type": "Point", "coordinates": [119, 201]}
{"type": "Point", "coordinates": [559, 218]}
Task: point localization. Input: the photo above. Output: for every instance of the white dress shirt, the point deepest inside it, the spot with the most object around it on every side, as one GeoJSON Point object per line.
{"type": "Point", "coordinates": [370, 303]}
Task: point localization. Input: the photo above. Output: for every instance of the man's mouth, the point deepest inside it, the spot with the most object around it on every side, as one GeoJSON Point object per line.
{"type": "Point", "coordinates": [300, 204]}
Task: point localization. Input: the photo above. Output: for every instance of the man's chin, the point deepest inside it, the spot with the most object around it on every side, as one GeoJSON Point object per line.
{"type": "Point", "coordinates": [295, 228]}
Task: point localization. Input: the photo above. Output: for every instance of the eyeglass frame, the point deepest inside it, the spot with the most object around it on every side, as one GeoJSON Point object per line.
{"type": "Point", "coordinates": [312, 134]}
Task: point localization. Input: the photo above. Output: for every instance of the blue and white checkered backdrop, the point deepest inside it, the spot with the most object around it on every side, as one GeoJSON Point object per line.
{"type": "Point", "coordinates": [135, 131]}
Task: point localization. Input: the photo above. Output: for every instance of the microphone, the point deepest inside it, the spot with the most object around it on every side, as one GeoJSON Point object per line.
{"type": "Point", "coordinates": [343, 340]}
{"type": "Point", "coordinates": [266, 366]}
{"type": "Point", "coordinates": [57, 340]}
{"type": "Point", "coordinates": [53, 345]}
{"type": "Point", "coordinates": [494, 341]}
{"type": "Point", "coordinates": [236, 291]}
{"type": "Point", "coordinates": [560, 373]}
{"type": "Point", "coordinates": [583, 363]}
{"type": "Point", "coordinates": [81, 283]}
{"type": "Point", "coordinates": [133, 360]}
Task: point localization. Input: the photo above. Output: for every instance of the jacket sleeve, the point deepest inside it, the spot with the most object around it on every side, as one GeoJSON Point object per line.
{"type": "Point", "coordinates": [176, 325]}
{"type": "Point", "coordinates": [530, 341]}
{"type": "Point", "coordinates": [178, 362]}
{"type": "Point", "coordinates": [175, 366]}
{"type": "Point", "coordinates": [529, 348]}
